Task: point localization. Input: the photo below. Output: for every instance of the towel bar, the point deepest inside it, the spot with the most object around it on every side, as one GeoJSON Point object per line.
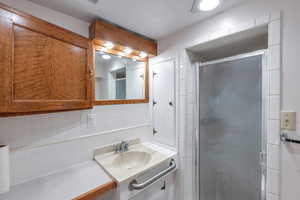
{"type": "Point", "coordinates": [284, 137]}
{"type": "Point", "coordinates": [134, 185]}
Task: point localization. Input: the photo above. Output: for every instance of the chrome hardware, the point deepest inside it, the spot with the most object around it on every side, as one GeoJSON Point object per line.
{"type": "Point", "coordinates": [262, 158]}
{"type": "Point", "coordinates": [122, 147]}
{"type": "Point", "coordinates": [284, 138]}
{"type": "Point", "coordinates": [134, 185]}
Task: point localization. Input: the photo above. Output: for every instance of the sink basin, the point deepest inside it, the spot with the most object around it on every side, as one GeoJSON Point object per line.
{"type": "Point", "coordinates": [132, 159]}
{"type": "Point", "coordinates": [139, 158]}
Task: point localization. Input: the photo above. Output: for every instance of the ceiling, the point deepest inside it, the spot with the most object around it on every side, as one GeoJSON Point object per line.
{"type": "Point", "coordinates": [151, 18]}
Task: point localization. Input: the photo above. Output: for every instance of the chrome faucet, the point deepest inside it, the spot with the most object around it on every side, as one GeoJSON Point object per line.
{"type": "Point", "coordinates": [122, 147]}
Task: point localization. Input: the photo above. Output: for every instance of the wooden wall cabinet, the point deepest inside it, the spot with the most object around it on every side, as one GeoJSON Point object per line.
{"type": "Point", "coordinates": [43, 68]}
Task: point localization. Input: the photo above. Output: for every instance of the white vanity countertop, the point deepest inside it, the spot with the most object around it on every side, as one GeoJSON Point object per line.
{"type": "Point", "coordinates": [63, 185]}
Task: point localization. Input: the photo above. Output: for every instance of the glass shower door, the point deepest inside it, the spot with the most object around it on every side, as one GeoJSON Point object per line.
{"type": "Point", "coordinates": [230, 129]}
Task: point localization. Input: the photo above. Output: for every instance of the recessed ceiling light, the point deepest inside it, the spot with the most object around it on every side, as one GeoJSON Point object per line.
{"type": "Point", "coordinates": [106, 57]}
{"type": "Point", "coordinates": [208, 5]}
{"type": "Point", "coordinates": [109, 45]}
{"type": "Point", "coordinates": [128, 50]}
{"type": "Point", "coordinates": [143, 54]}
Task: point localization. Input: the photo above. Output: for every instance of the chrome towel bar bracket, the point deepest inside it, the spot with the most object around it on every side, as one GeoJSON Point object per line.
{"type": "Point", "coordinates": [284, 137]}
{"type": "Point", "coordinates": [134, 185]}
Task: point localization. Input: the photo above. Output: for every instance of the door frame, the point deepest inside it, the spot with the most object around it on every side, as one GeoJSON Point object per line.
{"type": "Point", "coordinates": [264, 93]}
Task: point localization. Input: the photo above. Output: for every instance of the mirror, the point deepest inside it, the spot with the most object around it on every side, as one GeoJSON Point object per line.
{"type": "Point", "coordinates": [118, 77]}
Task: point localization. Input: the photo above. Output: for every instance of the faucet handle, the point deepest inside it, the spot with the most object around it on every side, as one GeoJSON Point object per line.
{"type": "Point", "coordinates": [126, 145]}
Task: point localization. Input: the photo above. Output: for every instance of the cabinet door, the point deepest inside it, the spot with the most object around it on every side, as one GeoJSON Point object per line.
{"type": "Point", "coordinates": [5, 49]}
{"type": "Point", "coordinates": [163, 88]}
{"type": "Point", "coordinates": [49, 67]}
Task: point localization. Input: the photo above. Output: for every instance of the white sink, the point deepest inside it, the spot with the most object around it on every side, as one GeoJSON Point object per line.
{"type": "Point", "coordinates": [139, 158]}
{"type": "Point", "coordinates": [132, 159]}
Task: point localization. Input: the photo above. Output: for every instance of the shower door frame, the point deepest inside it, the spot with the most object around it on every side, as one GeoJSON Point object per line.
{"type": "Point", "coordinates": [264, 92]}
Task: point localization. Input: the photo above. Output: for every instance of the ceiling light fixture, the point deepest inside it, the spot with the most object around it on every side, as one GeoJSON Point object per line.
{"type": "Point", "coordinates": [106, 57]}
{"type": "Point", "coordinates": [109, 45]}
{"type": "Point", "coordinates": [208, 5]}
{"type": "Point", "coordinates": [128, 50]}
{"type": "Point", "coordinates": [143, 54]}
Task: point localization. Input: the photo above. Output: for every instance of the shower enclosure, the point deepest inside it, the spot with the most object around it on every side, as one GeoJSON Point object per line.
{"type": "Point", "coordinates": [230, 136]}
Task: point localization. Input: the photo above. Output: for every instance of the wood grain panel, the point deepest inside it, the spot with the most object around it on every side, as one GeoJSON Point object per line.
{"type": "Point", "coordinates": [46, 68]}
{"type": "Point", "coordinates": [42, 26]}
{"type": "Point", "coordinates": [5, 45]}
{"type": "Point", "coordinates": [104, 31]}
{"type": "Point", "coordinates": [97, 192]}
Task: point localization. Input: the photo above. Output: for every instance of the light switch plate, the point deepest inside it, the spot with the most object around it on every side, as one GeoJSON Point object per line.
{"type": "Point", "coordinates": [288, 121]}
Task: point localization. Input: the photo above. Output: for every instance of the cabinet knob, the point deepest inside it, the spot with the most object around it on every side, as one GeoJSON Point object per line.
{"type": "Point", "coordinates": [171, 103]}
{"type": "Point", "coordinates": [91, 73]}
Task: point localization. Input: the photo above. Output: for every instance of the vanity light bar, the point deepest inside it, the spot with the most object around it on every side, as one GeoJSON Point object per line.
{"type": "Point", "coordinates": [108, 46]}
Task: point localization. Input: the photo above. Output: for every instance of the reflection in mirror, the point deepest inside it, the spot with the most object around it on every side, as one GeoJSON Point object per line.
{"type": "Point", "coordinates": [118, 77]}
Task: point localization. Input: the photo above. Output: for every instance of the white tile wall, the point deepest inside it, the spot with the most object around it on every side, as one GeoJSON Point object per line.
{"type": "Point", "coordinates": [272, 197]}
{"type": "Point", "coordinates": [273, 156]}
{"type": "Point", "coordinates": [274, 33]}
{"type": "Point", "coordinates": [274, 78]}
{"type": "Point", "coordinates": [274, 109]}
{"type": "Point", "coordinates": [273, 132]}
{"type": "Point", "coordinates": [273, 104]}
{"type": "Point", "coordinates": [273, 182]}
{"type": "Point", "coordinates": [274, 59]}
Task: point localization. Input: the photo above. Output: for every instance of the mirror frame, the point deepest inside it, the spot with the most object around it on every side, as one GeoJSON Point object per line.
{"type": "Point", "coordinates": [96, 47]}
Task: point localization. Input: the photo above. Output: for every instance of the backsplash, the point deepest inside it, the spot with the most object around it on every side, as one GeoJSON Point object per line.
{"type": "Point", "coordinates": [58, 140]}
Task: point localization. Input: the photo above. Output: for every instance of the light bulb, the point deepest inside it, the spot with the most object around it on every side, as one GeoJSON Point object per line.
{"type": "Point", "coordinates": [143, 54]}
{"type": "Point", "coordinates": [106, 57]}
{"type": "Point", "coordinates": [128, 50]}
{"type": "Point", "coordinates": [207, 5]}
{"type": "Point", "coordinates": [103, 49]}
{"type": "Point", "coordinates": [109, 45]}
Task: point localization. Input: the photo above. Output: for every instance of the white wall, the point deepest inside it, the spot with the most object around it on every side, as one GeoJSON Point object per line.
{"type": "Point", "coordinates": [243, 15]}
{"type": "Point", "coordinates": [42, 144]}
